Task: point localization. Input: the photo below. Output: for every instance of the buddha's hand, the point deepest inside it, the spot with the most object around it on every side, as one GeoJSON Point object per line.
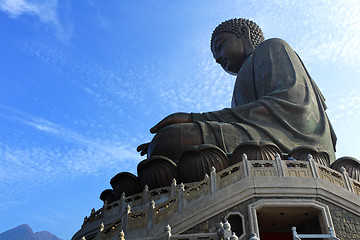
{"type": "Point", "coordinates": [143, 148]}
{"type": "Point", "coordinates": [174, 118]}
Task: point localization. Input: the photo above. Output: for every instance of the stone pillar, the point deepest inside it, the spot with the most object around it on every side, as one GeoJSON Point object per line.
{"type": "Point", "coordinates": [227, 230]}
{"type": "Point", "coordinates": [167, 234]}
{"type": "Point", "coordinates": [180, 197]}
{"type": "Point", "coordinates": [145, 195]}
{"type": "Point", "coordinates": [173, 188]}
{"type": "Point", "coordinates": [233, 237]}
{"type": "Point", "coordinates": [122, 202]}
{"type": "Point", "coordinates": [104, 208]}
{"type": "Point", "coordinates": [213, 180]}
{"type": "Point", "coordinates": [100, 233]}
{"type": "Point", "coordinates": [245, 165]}
{"type": "Point", "coordinates": [254, 237]}
{"type": "Point", "coordinates": [313, 167]}
{"type": "Point", "coordinates": [151, 215]}
{"type": "Point", "coordinates": [121, 235]}
{"type": "Point", "coordinates": [124, 219]}
{"type": "Point", "coordinates": [279, 166]}
{"type": "Point", "coordinates": [347, 180]}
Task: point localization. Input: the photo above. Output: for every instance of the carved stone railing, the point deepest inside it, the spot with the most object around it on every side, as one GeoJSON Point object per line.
{"type": "Point", "coordinates": [146, 209]}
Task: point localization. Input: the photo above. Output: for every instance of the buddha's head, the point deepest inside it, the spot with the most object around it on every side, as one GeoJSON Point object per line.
{"type": "Point", "coordinates": [233, 41]}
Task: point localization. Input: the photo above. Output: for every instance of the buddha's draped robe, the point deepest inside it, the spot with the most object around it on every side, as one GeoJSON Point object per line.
{"type": "Point", "coordinates": [274, 99]}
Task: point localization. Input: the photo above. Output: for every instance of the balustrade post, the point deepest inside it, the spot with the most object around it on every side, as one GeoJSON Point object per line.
{"type": "Point", "coordinates": [180, 197]}
{"type": "Point", "coordinates": [254, 237]}
{"type": "Point", "coordinates": [213, 180]}
{"type": "Point", "coordinates": [125, 217]}
{"type": "Point", "coordinates": [104, 208]}
{"type": "Point", "coordinates": [121, 235]}
{"type": "Point", "coordinates": [279, 165]}
{"type": "Point", "coordinates": [173, 188]}
{"type": "Point", "coordinates": [145, 195]}
{"type": "Point", "coordinates": [100, 233]}
{"type": "Point", "coordinates": [245, 165]}
{"type": "Point", "coordinates": [347, 180]}
{"type": "Point", "coordinates": [151, 219]}
{"type": "Point", "coordinates": [313, 166]}
{"type": "Point", "coordinates": [233, 237]}
{"type": "Point", "coordinates": [227, 230]}
{"type": "Point", "coordinates": [122, 202]}
{"type": "Point", "coordinates": [167, 233]}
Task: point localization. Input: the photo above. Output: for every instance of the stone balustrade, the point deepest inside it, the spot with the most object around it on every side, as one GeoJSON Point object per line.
{"type": "Point", "coordinates": [140, 212]}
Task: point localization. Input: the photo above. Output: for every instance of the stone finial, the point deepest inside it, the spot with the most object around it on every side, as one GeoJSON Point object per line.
{"type": "Point", "coordinates": [173, 183]}
{"type": "Point", "coordinates": [121, 235]}
{"type": "Point", "coordinates": [128, 209]}
{"type": "Point", "coordinates": [102, 227]}
{"type": "Point", "coordinates": [146, 188]}
{"type": "Point", "coordinates": [310, 157]}
{"type": "Point", "coordinates": [167, 228]}
{"type": "Point", "coordinates": [254, 237]}
{"type": "Point", "coordinates": [221, 225]}
{"type": "Point", "coordinates": [152, 204]}
{"type": "Point", "coordinates": [244, 157]}
{"type": "Point", "coordinates": [233, 236]}
{"type": "Point", "coordinates": [206, 176]}
{"type": "Point", "coordinates": [167, 234]}
{"type": "Point", "coordinates": [93, 211]}
{"type": "Point", "coordinates": [227, 230]}
{"type": "Point", "coordinates": [226, 225]}
{"type": "Point", "coordinates": [83, 238]}
{"type": "Point", "coordinates": [213, 169]}
{"type": "Point", "coordinates": [182, 187]}
{"type": "Point", "coordinates": [343, 170]}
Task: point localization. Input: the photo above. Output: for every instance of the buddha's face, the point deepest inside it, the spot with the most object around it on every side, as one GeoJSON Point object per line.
{"type": "Point", "coordinates": [229, 52]}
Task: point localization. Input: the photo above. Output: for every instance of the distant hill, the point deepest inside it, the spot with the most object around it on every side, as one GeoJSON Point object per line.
{"type": "Point", "coordinates": [24, 232]}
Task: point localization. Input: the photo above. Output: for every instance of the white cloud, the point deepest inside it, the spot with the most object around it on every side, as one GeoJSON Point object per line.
{"type": "Point", "coordinates": [45, 10]}
{"type": "Point", "coordinates": [75, 155]}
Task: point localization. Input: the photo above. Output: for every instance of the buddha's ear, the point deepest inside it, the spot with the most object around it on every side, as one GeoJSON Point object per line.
{"type": "Point", "coordinates": [244, 30]}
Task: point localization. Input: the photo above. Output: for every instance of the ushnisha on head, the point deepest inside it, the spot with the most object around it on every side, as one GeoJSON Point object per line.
{"type": "Point", "coordinates": [233, 41]}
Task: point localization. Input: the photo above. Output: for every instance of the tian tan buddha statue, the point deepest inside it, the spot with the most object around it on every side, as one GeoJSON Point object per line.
{"type": "Point", "coordinates": [274, 99]}
{"type": "Point", "coordinates": [275, 103]}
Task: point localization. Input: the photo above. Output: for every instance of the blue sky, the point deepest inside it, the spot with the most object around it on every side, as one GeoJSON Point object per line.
{"type": "Point", "coordinates": [82, 82]}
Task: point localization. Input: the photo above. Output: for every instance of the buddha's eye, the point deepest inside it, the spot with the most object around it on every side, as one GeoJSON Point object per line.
{"type": "Point", "coordinates": [220, 44]}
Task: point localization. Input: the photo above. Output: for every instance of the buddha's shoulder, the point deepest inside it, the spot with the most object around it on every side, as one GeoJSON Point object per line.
{"type": "Point", "coordinates": [273, 42]}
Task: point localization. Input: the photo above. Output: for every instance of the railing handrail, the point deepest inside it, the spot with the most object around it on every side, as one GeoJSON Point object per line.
{"type": "Point", "coordinates": [330, 235]}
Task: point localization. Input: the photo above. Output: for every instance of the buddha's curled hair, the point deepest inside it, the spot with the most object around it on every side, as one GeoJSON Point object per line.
{"type": "Point", "coordinates": [232, 26]}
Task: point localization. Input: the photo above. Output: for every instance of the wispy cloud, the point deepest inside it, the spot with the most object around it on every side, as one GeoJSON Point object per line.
{"type": "Point", "coordinates": [45, 10]}
{"type": "Point", "coordinates": [75, 156]}
{"type": "Point", "coordinates": [320, 31]}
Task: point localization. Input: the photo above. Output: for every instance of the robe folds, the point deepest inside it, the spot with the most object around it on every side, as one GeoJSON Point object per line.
{"type": "Point", "coordinates": [274, 99]}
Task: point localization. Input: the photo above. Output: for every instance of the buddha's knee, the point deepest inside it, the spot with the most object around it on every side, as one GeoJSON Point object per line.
{"type": "Point", "coordinates": [172, 140]}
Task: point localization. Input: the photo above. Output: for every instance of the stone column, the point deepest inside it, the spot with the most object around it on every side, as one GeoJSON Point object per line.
{"type": "Point", "coordinates": [145, 195]}
{"type": "Point", "coordinates": [245, 166]}
{"type": "Point", "coordinates": [279, 166]}
{"type": "Point", "coordinates": [347, 180]}
{"type": "Point", "coordinates": [180, 197]}
{"type": "Point", "coordinates": [313, 166]}
{"type": "Point", "coordinates": [213, 180]}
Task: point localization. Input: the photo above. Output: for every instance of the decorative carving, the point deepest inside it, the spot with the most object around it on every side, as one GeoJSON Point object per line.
{"type": "Point", "coordinates": [319, 156]}
{"type": "Point", "coordinates": [156, 172]}
{"type": "Point", "coordinates": [255, 150]}
{"type": "Point", "coordinates": [198, 161]}
{"type": "Point", "coordinates": [352, 166]}
{"type": "Point", "coordinates": [125, 182]}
